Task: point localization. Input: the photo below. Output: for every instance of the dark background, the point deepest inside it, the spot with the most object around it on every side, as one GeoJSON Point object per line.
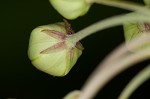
{"type": "Point", "coordinates": [20, 80]}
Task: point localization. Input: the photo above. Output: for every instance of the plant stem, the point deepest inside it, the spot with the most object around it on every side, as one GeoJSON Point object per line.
{"type": "Point", "coordinates": [140, 78]}
{"type": "Point", "coordinates": [106, 71]}
{"type": "Point", "coordinates": [117, 61]}
{"type": "Point", "coordinates": [125, 49]}
{"type": "Point", "coordinates": [106, 23]}
{"type": "Point", "coordinates": [124, 4]}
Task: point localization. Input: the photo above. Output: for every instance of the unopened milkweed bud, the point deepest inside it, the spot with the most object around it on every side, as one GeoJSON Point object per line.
{"type": "Point", "coordinates": [71, 9]}
{"type": "Point", "coordinates": [73, 95]}
{"type": "Point", "coordinates": [49, 49]}
{"type": "Point", "coordinates": [133, 30]}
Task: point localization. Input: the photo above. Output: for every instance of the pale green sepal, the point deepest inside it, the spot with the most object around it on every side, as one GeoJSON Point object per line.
{"type": "Point", "coordinates": [71, 9]}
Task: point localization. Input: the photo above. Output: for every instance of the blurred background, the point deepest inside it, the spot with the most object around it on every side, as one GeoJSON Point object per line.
{"type": "Point", "coordinates": [19, 79]}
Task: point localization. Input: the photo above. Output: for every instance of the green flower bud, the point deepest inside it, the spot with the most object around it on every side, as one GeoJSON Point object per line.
{"type": "Point", "coordinates": [50, 51]}
{"type": "Point", "coordinates": [134, 30]}
{"type": "Point", "coordinates": [72, 95]}
{"type": "Point", "coordinates": [71, 9]}
{"type": "Point", "coordinates": [147, 2]}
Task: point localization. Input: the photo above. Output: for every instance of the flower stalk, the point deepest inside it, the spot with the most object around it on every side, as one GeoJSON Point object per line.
{"type": "Point", "coordinates": [119, 58]}
{"type": "Point", "coordinates": [124, 5]}
{"type": "Point", "coordinates": [108, 69]}
{"type": "Point", "coordinates": [106, 23]}
{"type": "Point", "coordinates": [140, 78]}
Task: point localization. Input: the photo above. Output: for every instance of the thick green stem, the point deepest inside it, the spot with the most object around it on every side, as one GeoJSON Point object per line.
{"type": "Point", "coordinates": [106, 23]}
{"type": "Point", "coordinates": [106, 71]}
{"type": "Point", "coordinates": [140, 78]}
{"type": "Point", "coordinates": [124, 4]}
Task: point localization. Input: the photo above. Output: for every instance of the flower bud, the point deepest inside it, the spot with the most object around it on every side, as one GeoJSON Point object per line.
{"type": "Point", "coordinates": [136, 29]}
{"type": "Point", "coordinates": [72, 95]}
{"type": "Point", "coordinates": [49, 50]}
{"type": "Point", "coordinates": [71, 9]}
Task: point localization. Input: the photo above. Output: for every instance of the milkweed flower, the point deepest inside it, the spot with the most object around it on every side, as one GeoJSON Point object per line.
{"type": "Point", "coordinates": [71, 9]}
{"type": "Point", "coordinates": [50, 51]}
